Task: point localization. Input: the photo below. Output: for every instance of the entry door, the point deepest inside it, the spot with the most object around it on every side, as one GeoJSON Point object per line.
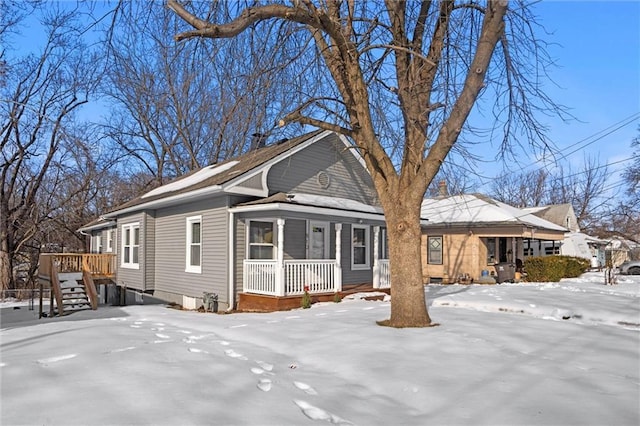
{"type": "Point", "coordinates": [318, 240]}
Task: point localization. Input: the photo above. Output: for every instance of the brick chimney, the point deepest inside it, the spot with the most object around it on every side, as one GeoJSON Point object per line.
{"type": "Point", "coordinates": [442, 189]}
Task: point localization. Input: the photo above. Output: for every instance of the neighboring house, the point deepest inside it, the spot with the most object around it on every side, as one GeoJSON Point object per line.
{"type": "Point", "coordinates": [575, 243]}
{"type": "Point", "coordinates": [468, 234]}
{"type": "Point", "coordinates": [298, 214]}
{"type": "Point", "coordinates": [619, 250]}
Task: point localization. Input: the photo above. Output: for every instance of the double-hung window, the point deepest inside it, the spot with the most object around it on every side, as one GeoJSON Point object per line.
{"type": "Point", "coordinates": [131, 245]}
{"type": "Point", "coordinates": [110, 241]}
{"type": "Point", "coordinates": [194, 244]}
{"type": "Point", "coordinates": [434, 250]}
{"type": "Point", "coordinates": [359, 247]}
{"type": "Point", "coordinates": [261, 240]}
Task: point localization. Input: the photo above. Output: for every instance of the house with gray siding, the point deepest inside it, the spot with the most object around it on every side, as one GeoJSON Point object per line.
{"type": "Point", "coordinates": [294, 216]}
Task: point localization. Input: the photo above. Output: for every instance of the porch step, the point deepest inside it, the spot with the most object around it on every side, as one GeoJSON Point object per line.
{"type": "Point", "coordinates": [69, 276]}
{"type": "Point", "coordinates": [74, 295]}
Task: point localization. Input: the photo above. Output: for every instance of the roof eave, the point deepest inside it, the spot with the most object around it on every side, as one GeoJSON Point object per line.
{"type": "Point", "coordinates": [168, 201]}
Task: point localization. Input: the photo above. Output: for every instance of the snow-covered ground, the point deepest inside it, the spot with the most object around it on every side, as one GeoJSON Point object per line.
{"type": "Point", "coordinates": [519, 354]}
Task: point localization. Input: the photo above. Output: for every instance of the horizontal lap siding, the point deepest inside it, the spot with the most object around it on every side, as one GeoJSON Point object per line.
{"type": "Point", "coordinates": [150, 252]}
{"type": "Point", "coordinates": [298, 173]}
{"type": "Point", "coordinates": [171, 243]}
{"type": "Point", "coordinates": [350, 276]}
{"type": "Point", "coordinates": [132, 278]}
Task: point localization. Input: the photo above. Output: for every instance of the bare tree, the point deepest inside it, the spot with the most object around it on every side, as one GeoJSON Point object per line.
{"type": "Point", "coordinates": [405, 77]}
{"type": "Point", "coordinates": [528, 189]}
{"type": "Point", "coordinates": [174, 113]}
{"type": "Point", "coordinates": [38, 102]}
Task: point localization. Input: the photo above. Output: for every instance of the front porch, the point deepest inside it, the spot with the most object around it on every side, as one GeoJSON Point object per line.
{"type": "Point", "coordinates": [267, 286]}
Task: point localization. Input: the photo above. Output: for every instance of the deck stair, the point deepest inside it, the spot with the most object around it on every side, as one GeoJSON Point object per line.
{"type": "Point", "coordinates": [73, 293]}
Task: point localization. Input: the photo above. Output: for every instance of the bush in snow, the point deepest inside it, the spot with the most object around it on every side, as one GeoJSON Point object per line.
{"type": "Point", "coordinates": [554, 268]}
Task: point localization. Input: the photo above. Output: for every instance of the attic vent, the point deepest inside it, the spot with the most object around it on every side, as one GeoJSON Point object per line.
{"type": "Point", "coordinates": [324, 180]}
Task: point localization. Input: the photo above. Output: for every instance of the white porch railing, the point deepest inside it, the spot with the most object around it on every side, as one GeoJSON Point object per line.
{"type": "Point", "coordinates": [385, 275]}
{"type": "Point", "coordinates": [261, 276]}
{"type": "Point", "coordinates": [320, 276]}
{"type": "Point", "coordinates": [317, 275]}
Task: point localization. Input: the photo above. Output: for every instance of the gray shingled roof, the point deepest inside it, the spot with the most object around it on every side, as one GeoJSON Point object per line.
{"type": "Point", "coordinates": [245, 163]}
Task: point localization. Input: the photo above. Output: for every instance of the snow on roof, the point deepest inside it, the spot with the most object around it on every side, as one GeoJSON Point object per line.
{"type": "Point", "coordinates": [333, 203]}
{"type": "Point", "coordinates": [191, 179]}
{"type": "Point", "coordinates": [475, 208]}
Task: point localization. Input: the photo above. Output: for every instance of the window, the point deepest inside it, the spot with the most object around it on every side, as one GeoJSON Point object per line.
{"type": "Point", "coordinates": [96, 244]}
{"type": "Point", "coordinates": [491, 250]}
{"type": "Point", "coordinates": [131, 245]}
{"type": "Point", "coordinates": [359, 247]}
{"type": "Point", "coordinates": [110, 241]}
{"type": "Point", "coordinates": [194, 244]}
{"type": "Point", "coordinates": [261, 240]}
{"type": "Point", "coordinates": [434, 250]}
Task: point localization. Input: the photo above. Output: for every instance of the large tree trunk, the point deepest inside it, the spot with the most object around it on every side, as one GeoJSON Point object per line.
{"type": "Point", "coordinates": [408, 301]}
{"type": "Point", "coordinates": [6, 275]}
{"type": "Point", "coordinates": [402, 214]}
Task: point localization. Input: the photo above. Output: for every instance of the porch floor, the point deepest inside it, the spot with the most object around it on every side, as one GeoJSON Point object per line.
{"type": "Point", "coordinates": [249, 302]}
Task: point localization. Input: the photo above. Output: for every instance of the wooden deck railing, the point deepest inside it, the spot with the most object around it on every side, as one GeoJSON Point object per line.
{"type": "Point", "coordinates": [99, 265]}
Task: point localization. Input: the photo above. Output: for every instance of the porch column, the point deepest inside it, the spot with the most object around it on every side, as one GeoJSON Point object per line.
{"type": "Point", "coordinates": [280, 276]}
{"type": "Point", "coordinates": [376, 264]}
{"type": "Point", "coordinates": [338, 266]}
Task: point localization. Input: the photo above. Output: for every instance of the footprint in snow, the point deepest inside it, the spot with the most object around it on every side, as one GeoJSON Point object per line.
{"type": "Point", "coordinates": [265, 365]}
{"type": "Point", "coordinates": [233, 354]}
{"type": "Point", "coordinates": [238, 326]}
{"type": "Point", "coordinates": [159, 324]}
{"type": "Point", "coordinates": [47, 361]}
{"type": "Point", "coordinates": [197, 351]}
{"type": "Point", "coordinates": [114, 351]}
{"type": "Point", "coordinates": [162, 336]}
{"type": "Point", "coordinates": [306, 388]}
{"type": "Point", "coordinates": [292, 317]}
{"type": "Point", "coordinates": [315, 413]}
{"type": "Point", "coordinates": [224, 343]}
{"type": "Point", "coordinates": [264, 385]}
{"type": "Point", "coordinates": [184, 331]}
{"type": "Point", "coordinates": [135, 326]}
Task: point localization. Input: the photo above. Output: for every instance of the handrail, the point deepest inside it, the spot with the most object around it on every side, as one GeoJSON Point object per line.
{"type": "Point", "coordinates": [101, 265]}
{"type": "Point", "coordinates": [89, 285]}
{"type": "Point", "coordinates": [55, 286]}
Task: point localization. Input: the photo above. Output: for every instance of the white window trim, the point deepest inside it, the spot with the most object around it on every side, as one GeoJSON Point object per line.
{"type": "Point", "coordinates": [367, 245]}
{"type": "Point", "coordinates": [327, 230]}
{"type": "Point", "coordinates": [189, 238]}
{"type": "Point", "coordinates": [130, 265]}
{"type": "Point", "coordinates": [248, 238]}
{"type": "Point", "coordinates": [109, 248]}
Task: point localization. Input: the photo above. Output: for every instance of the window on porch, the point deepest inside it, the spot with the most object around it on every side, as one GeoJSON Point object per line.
{"type": "Point", "coordinates": [360, 247]}
{"type": "Point", "coordinates": [110, 233]}
{"type": "Point", "coordinates": [261, 240]}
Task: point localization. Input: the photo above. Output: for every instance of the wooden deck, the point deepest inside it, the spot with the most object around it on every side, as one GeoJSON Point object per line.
{"type": "Point", "coordinates": [248, 302]}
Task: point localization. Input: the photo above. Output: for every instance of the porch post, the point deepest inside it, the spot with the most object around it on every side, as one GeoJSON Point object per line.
{"type": "Point", "coordinates": [376, 264]}
{"type": "Point", "coordinates": [337, 279]}
{"type": "Point", "coordinates": [280, 276]}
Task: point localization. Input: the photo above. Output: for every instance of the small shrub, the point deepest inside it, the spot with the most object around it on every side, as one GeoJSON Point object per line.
{"type": "Point", "coordinates": [554, 268]}
{"type": "Point", "coordinates": [337, 298]}
{"type": "Point", "coordinates": [306, 298]}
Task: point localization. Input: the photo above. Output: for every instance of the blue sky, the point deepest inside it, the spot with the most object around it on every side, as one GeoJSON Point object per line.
{"type": "Point", "coordinates": [596, 45]}
{"type": "Point", "coordinates": [597, 49]}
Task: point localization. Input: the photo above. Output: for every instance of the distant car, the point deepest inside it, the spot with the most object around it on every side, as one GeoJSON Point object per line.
{"type": "Point", "coordinates": [630, 267]}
